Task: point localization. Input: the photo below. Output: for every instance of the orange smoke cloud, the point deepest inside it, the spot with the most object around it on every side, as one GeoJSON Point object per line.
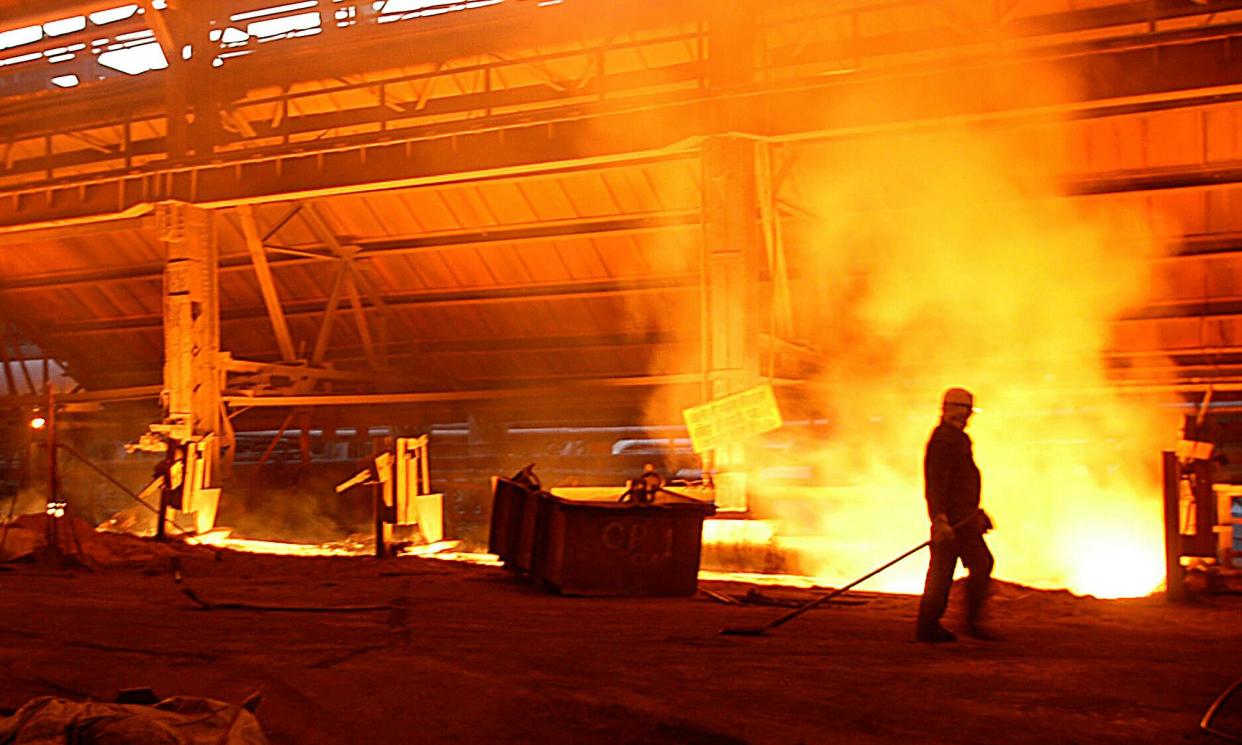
{"type": "Point", "coordinates": [938, 260]}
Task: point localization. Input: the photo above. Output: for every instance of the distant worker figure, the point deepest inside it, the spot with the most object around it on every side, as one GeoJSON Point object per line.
{"type": "Point", "coordinates": [951, 481]}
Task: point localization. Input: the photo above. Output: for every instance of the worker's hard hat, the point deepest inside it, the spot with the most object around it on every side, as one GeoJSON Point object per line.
{"type": "Point", "coordinates": [960, 397]}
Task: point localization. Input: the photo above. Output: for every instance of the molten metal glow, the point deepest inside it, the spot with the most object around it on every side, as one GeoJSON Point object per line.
{"type": "Point", "coordinates": [946, 258]}
{"type": "Point", "coordinates": [740, 532]}
{"type": "Point", "coordinates": [490, 560]}
{"type": "Point", "coordinates": [221, 539]}
{"type": "Point", "coordinates": [936, 264]}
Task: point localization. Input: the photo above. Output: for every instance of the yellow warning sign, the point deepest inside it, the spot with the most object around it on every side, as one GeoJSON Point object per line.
{"type": "Point", "coordinates": [732, 418]}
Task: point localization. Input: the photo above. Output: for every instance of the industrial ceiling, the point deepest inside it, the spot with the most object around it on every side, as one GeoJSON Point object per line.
{"type": "Point", "coordinates": [511, 196]}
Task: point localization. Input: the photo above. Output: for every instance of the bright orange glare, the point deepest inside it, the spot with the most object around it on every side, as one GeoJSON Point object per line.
{"type": "Point", "coordinates": [940, 260]}
{"type": "Point", "coordinates": [38, 422]}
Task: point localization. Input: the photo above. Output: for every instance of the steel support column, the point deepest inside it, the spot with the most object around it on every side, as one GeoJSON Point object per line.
{"type": "Point", "coordinates": [193, 377]}
{"type": "Point", "coordinates": [733, 258]}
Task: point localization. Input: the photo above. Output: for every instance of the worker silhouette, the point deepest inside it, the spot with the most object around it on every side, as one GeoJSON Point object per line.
{"type": "Point", "coordinates": [951, 486]}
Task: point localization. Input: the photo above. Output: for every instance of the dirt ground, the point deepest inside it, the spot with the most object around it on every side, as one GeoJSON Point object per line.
{"type": "Point", "coordinates": [466, 654]}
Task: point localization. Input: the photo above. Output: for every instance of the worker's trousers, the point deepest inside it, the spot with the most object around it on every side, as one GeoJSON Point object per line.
{"type": "Point", "coordinates": [973, 551]}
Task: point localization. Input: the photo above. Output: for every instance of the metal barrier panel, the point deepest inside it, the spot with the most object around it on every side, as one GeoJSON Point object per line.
{"type": "Point", "coordinates": [504, 495]}
{"type": "Point", "coordinates": [513, 532]}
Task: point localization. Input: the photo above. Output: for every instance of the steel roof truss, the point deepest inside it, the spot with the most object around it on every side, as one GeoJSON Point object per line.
{"type": "Point", "coordinates": [267, 285]}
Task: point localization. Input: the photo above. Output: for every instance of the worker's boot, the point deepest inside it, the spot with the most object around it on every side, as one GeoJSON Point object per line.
{"type": "Point", "coordinates": [982, 633]}
{"type": "Point", "coordinates": [934, 635]}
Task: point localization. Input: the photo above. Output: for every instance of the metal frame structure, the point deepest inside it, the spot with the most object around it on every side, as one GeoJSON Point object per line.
{"type": "Point", "coordinates": [474, 137]}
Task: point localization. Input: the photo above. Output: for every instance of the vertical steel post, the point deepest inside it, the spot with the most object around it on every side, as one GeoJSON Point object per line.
{"type": "Point", "coordinates": [377, 506]}
{"type": "Point", "coordinates": [53, 488]}
{"type": "Point", "coordinates": [193, 375]}
{"type": "Point", "coordinates": [191, 321]}
{"type": "Point", "coordinates": [1175, 581]}
{"type": "Point", "coordinates": [733, 256]}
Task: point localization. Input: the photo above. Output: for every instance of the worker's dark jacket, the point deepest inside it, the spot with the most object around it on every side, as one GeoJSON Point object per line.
{"type": "Point", "coordinates": [950, 476]}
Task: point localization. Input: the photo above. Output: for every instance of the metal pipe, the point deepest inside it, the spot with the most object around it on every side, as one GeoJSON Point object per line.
{"type": "Point", "coordinates": [388, 399]}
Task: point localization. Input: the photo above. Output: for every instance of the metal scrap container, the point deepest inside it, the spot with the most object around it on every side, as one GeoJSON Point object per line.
{"type": "Point", "coordinates": [591, 544]}
{"type": "Point", "coordinates": [503, 499]}
{"type": "Point", "coordinates": [515, 527]}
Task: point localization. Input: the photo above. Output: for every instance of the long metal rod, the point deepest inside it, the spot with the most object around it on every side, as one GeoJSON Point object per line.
{"type": "Point", "coordinates": [637, 223]}
{"type": "Point", "coordinates": [360, 319]}
{"type": "Point", "coordinates": [442, 298]}
{"type": "Point", "coordinates": [384, 399]}
{"type": "Point", "coordinates": [755, 631]}
{"type": "Point", "coordinates": [745, 631]}
{"type": "Point", "coordinates": [1206, 723]}
{"type": "Point", "coordinates": [113, 394]}
{"type": "Point", "coordinates": [275, 440]}
{"type": "Point", "coordinates": [334, 302]}
{"type": "Point", "coordinates": [107, 476]}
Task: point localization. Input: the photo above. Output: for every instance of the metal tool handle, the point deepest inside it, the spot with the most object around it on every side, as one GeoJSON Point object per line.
{"type": "Point", "coordinates": [825, 598]}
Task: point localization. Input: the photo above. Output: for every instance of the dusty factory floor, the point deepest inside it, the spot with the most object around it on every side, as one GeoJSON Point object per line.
{"type": "Point", "coordinates": [464, 654]}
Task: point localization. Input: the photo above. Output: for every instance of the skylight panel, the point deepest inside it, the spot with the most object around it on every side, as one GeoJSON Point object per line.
{"type": "Point", "coordinates": [135, 60]}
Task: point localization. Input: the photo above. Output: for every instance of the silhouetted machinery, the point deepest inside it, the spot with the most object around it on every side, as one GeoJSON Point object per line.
{"type": "Point", "coordinates": [401, 493]}
{"type": "Point", "coordinates": [1197, 526]}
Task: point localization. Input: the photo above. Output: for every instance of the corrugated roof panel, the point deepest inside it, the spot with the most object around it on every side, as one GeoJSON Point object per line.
{"type": "Point", "coordinates": [470, 264]}
{"type": "Point", "coordinates": [417, 325]}
{"type": "Point", "coordinates": [231, 239]}
{"type": "Point", "coordinates": [357, 217]}
{"type": "Point", "coordinates": [94, 305]}
{"type": "Point", "coordinates": [624, 192]}
{"type": "Point", "coordinates": [404, 216]}
{"type": "Point", "coordinates": [146, 294]}
{"type": "Point", "coordinates": [294, 231]}
{"type": "Point", "coordinates": [542, 261]}
{"type": "Point", "coordinates": [547, 199]}
{"type": "Point", "coordinates": [239, 289]}
{"type": "Point", "coordinates": [506, 265]}
{"type": "Point", "coordinates": [589, 195]}
{"type": "Point", "coordinates": [98, 352]}
{"type": "Point", "coordinates": [542, 319]}
{"type": "Point", "coordinates": [292, 281]}
{"type": "Point", "coordinates": [465, 268]}
{"type": "Point", "coordinates": [424, 323]}
{"type": "Point", "coordinates": [475, 321]}
{"type": "Point", "coordinates": [102, 251]}
{"type": "Point", "coordinates": [138, 246]}
{"type": "Point", "coordinates": [433, 268]}
{"type": "Point", "coordinates": [468, 207]}
{"type": "Point", "coordinates": [581, 259]}
{"type": "Point", "coordinates": [311, 280]}
{"type": "Point", "coordinates": [393, 272]}
{"type": "Point", "coordinates": [430, 210]}
{"type": "Point", "coordinates": [370, 271]}
{"type": "Point", "coordinates": [620, 256]}
{"type": "Point", "coordinates": [671, 251]}
{"type": "Point", "coordinates": [672, 185]}
{"type": "Point", "coordinates": [247, 339]}
{"type": "Point", "coordinates": [506, 202]}
{"type": "Point", "coordinates": [121, 302]}
{"type": "Point", "coordinates": [302, 328]}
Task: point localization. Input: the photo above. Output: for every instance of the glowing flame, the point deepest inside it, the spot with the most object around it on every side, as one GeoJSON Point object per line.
{"type": "Point", "coordinates": [941, 258]}
{"type": "Point", "coordinates": [934, 267]}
